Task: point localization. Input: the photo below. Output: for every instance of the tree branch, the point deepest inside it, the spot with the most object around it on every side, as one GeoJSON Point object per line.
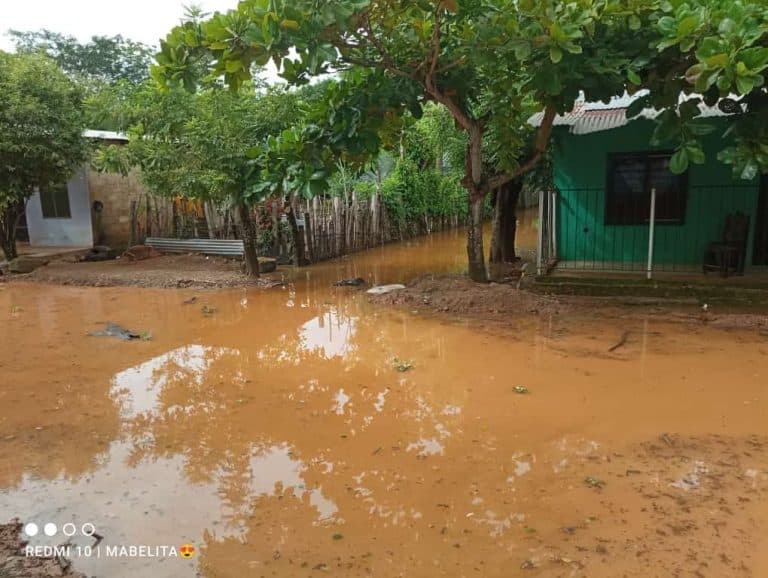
{"type": "Point", "coordinates": [540, 147]}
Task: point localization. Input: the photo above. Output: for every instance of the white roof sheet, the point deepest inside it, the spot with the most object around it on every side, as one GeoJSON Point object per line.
{"type": "Point", "coordinates": [105, 135]}
{"type": "Point", "coordinates": [589, 117]}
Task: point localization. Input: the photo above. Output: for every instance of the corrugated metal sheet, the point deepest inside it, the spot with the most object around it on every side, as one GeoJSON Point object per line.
{"type": "Point", "coordinates": [589, 117]}
{"type": "Point", "coordinates": [226, 247]}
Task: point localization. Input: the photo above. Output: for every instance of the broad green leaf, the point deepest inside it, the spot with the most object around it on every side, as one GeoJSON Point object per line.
{"type": "Point", "coordinates": [678, 164]}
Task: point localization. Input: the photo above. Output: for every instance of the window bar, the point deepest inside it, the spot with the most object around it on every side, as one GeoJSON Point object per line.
{"type": "Point", "coordinates": [651, 232]}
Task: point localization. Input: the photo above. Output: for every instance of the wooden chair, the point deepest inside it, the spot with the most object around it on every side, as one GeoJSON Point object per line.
{"type": "Point", "coordinates": [729, 254]}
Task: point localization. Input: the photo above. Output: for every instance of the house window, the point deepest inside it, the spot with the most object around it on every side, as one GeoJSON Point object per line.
{"type": "Point", "coordinates": [631, 176]}
{"type": "Point", "coordinates": [55, 202]}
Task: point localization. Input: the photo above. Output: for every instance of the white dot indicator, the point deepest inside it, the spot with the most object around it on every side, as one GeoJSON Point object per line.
{"type": "Point", "coordinates": [69, 529]}
{"type": "Point", "coordinates": [50, 529]}
{"type": "Point", "coordinates": [88, 529]}
{"type": "Point", "coordinates": [31, 529]}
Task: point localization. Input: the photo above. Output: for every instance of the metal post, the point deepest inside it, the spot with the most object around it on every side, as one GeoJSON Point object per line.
{"type": "Point", "coordinates": [651, 232]}
{"type": "Point", "coordinates": [540, 247]}
{"type": "Point", "coordinates": [553, 232]}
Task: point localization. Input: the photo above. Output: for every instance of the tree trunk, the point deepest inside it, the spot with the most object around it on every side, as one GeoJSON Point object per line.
{"type": "Point", "coordinates": [475, 252]}
{"type": "Point", "coordinates": [9, 220]}
{"type": "Point", "coordinates": [473, 182]}
{"type": "Point", "coordinates": [299, 258]}
{"type": "Point", "coordinates": [504, 229]}
{"type": "Point", "coordinates": [250, 254]}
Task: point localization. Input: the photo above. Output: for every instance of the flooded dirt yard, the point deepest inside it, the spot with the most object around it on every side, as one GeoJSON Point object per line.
{"type": "Point", "coordinates": [303, 431]}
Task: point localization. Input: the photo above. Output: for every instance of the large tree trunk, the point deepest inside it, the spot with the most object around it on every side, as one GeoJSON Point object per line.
{"type": "Point", "coordinates": [475, 251]}
{"type": "Point", "coordinates": [9, 220]}
{"type": "Point", "coordinates": [504, 228]}
{"type": "Point", "coordinates": [473, 182]}
{"type": "Point", "coordinates": [251, 255]}
{"type": "Point", "coordinates": [299, 258]}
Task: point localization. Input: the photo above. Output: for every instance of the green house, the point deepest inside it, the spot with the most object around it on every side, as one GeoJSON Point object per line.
{"type": "Point", "coordinates": [606, 174]}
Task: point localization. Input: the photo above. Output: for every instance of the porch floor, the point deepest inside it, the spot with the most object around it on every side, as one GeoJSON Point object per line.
{"type": "Point", "coordinates": [756, 277]}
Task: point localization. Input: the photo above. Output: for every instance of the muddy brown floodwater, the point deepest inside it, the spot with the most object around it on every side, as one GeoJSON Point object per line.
{"type": "Point", "coordinates": [272, 430]}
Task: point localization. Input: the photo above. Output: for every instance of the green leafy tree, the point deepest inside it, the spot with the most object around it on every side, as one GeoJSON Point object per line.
{"type": "Point", "coordinates": [41, 127]}
{"type": "Point", "coordinates": [102, 60]}
{"type": "Point", "coordinates": [489, 63]}
{"type": "Point", "coordinates": [194, 145]}
{"type": "Point", "coordinates": [711, 51]}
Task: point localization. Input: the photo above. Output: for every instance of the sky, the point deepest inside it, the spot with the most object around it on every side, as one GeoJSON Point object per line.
{"type": "Point", "coordinates": [142, 20]}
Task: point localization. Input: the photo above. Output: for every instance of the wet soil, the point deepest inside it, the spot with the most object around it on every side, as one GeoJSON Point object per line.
{"type": "Point", "coordinates": [15, 564]}
{"type": "Point", "coordinates": [167, 271]}
{"type": "Point", "coordinates": [500, 304]}
{"type": "Point", "coordinates": [304, 431]}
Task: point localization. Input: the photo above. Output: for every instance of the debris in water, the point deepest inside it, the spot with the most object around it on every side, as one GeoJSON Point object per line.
{"type": "Point", "coordinates": [356, 282]}
{"type": "Point", "coordinates": [622, 341]}
{"type": "Point", "coordinates": [189, 301]}
{"type": "Point", "coordinates": [527, 565]}
{"type": "Point", "coordinates": [521, 389]}
{"type": "Point", "coordinates": [114, 330]}
{"type": "Point", "coordinates": [594, 482]}
{"type": "Point", "coordinates": [208, 311]}
{"type": "Point", "coordinates": [401, 365]}
{"type": "Point", "coordinates": [338, 536]}
{"type": "Point", "coordinates": [383, 289]}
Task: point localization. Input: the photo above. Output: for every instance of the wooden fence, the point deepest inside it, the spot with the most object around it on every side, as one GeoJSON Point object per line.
{"type": "Point", "coordinates": [329, 227]}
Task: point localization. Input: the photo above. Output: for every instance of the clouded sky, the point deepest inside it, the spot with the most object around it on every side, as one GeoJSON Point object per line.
{"type": "Point", "coordinates": [142, 20]}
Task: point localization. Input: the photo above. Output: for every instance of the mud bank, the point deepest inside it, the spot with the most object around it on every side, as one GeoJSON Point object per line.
{"type": "Point", "coordinates": [167, 271]}
{"type": "Point", "coordinates": [457, 297]}
{"type": "Point", "coordinates": [14, 564]}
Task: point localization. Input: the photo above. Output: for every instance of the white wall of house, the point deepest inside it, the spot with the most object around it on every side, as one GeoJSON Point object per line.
{"type": "Point", "coordinates": [76, 231]}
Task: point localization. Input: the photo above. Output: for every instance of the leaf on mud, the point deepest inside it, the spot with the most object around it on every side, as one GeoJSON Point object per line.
{"type": "Point", "coordinates": [208, 310]}
{"type": "Point", "coordinates": [594, 482]}
{"type": "Point", "coordinates": [401, 365]}
{"type": "Point", "coordinates": [521, 389]}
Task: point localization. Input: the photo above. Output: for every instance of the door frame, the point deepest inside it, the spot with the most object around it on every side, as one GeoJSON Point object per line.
{"type": "Point", "coordinates": [760, 246]}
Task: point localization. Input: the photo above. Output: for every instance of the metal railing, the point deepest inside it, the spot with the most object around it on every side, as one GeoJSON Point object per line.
{"type": "Point", "coordinates": [578, 233]}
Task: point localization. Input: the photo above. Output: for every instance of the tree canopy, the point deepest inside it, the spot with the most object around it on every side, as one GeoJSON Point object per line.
{"type": "Point", "coordinates": [103, 59]}
{"type": "Point", "coordinates": [492, 62]}
{"type": "Point", "coordinates": [41, 133]}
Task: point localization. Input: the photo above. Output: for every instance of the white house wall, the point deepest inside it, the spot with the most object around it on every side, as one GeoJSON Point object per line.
{"type": "Point", "coordinates": [76, 231]}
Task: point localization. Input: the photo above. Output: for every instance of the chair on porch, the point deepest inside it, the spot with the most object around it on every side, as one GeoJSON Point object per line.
{"type": "Point", "coordinates": [729, 254]}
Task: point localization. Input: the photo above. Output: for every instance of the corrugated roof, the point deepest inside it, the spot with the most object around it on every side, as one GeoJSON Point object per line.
{"type": "Point", "coordinates": [104, 135]}
{"type": "Point", "coordinates": [589, 117]}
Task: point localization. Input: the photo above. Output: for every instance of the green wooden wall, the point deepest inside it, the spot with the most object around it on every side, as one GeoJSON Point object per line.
{"type": "Point", "coordinates": [580, 165]}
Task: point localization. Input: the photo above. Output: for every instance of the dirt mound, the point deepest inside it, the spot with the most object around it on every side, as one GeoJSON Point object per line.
{"type": "Point", "coordinates": [460, 295]}
{"type": "Point", "coordinates": [501, 304]}
{"type": "Point", "coordinates": [14, 564]}
{"type": "Point", "coordinates": [167, 271]}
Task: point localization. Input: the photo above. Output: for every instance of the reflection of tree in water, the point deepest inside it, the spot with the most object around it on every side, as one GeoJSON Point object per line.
{"type": "Point", "coordinates": [72, 439]}
{"type": "Point", "coordinates": [265, 426]}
